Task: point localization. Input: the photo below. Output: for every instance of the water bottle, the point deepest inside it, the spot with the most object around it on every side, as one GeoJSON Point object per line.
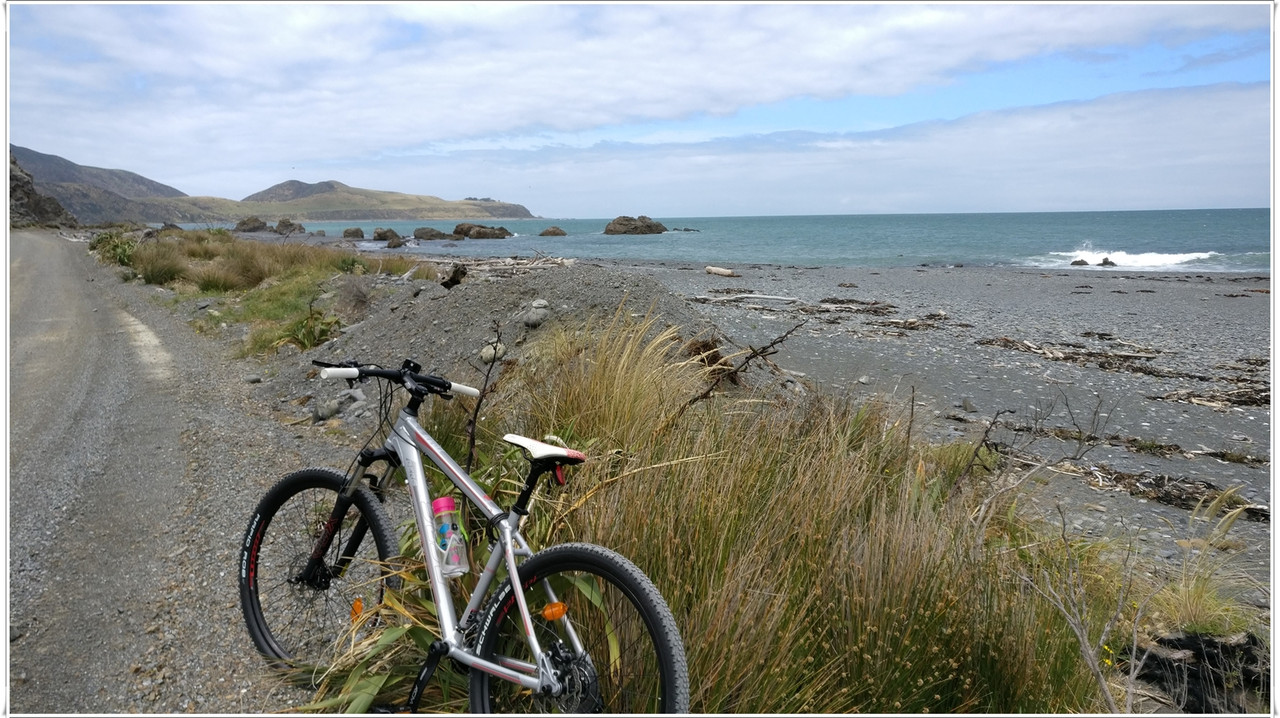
{"type": "Point", "coordinates": [449, 545]}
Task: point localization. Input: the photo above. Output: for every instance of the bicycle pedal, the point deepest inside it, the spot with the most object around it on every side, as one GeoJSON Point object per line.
{"type": "Point", "coordinates": [384, 708]}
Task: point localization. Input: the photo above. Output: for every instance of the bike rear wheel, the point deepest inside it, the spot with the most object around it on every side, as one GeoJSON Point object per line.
{"type": "Point", "coordinates": [296, 624]}
{"type": "Point", "coordinates": [633, 661]}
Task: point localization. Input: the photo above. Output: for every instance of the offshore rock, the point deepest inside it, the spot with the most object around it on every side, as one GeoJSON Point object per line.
{"type": "Point", "coordinates": [429, 233]}
{"type": "Point", "coordinates": [286, 227]}
{"type": "Point", "coordinates": [480, 231]}
{"type": "Point", "coordinates": [634, 225]}
{"type": "Point", "coordinates": [251, 224]}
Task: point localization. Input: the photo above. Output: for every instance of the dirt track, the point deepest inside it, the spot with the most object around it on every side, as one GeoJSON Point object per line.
{"type": "Point", "coordinates": [112, 606]}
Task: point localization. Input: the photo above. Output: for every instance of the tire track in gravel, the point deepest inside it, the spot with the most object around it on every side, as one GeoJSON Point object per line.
{"type": "Point", "coordinates": [93, 449]}
{"type": "Point", "coordinates": [121, 593]}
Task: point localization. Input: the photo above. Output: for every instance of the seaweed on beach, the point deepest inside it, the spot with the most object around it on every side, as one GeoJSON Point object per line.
{"type": "Point", "coordinates": [1253, 394]}
{"type": "Point", "coordinates": [1132, 358]}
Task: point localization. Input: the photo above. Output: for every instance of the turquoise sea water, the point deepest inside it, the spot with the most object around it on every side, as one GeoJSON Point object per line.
{"type": "Point", "coordinates": [1230, 240]}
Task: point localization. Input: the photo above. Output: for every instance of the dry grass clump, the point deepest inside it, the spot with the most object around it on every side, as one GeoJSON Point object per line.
{"type": "Point", "coordinates": [815, 559]}
{"type": "Point", "coordinates": [1197, 600]}
{"type": "Point", "coordinates": [158, 262]}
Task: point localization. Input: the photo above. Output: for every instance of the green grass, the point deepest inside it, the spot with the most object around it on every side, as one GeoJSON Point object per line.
{"type": "Point", "coordinates": [113, 247]}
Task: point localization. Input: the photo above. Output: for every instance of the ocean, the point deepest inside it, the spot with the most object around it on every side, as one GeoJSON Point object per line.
{"type": "Point", "coordinates": [1210, 240]}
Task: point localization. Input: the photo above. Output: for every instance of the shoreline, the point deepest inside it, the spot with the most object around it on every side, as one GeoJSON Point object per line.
{"type": "Point", "coordinates": [493, 249]}
{"type": "Point", "coordinates": [1162, 350]}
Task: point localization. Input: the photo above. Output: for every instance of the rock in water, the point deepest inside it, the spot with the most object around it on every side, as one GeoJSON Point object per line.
{"type": "Point", "coordinates": [634, 225]}
{"type": "Point", "coordinates": [480, 231]}
{"type": "Point", "coordinates": [251, 224]}
{"type": "Point", "coordinates": [429, 233]}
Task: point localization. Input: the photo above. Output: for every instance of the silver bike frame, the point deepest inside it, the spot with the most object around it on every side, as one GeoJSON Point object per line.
{"type": "Point", "coordinates": [410, 442]}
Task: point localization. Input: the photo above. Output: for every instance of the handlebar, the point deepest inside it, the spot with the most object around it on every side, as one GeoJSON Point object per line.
{"type": "Point", "coordinates": [434, 384]}
{"type": "Point", "coordinates": [340, 372]}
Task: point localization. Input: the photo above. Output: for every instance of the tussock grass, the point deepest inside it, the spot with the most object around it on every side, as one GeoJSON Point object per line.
{"type": "Point", "coordinates": [1197, 600]}
{"type": "Point", "coordinates": [815, 559]}
{"type": "Point", "coordinates": [215, 279]}
{"type": "Point", "coordinates": [158, 262]}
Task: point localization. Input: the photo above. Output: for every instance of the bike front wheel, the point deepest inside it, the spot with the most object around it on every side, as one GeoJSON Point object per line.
{"type": "Point", "coordinates": [616, 648]}
{"type": "Point", "coordinates": [295, 617]}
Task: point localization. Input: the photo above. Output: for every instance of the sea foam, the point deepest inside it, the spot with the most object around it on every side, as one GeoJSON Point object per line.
{"type": "Point", "coordinates": [1125, 260]}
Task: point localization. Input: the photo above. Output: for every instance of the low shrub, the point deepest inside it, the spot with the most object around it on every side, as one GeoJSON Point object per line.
{"type": "Point", "coordinates": [113, 247]}
{"type": "Point", "coordinates": [314, 329]}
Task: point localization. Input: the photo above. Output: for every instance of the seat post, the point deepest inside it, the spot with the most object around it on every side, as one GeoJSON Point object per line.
{"type": "Point", "coordinates": [536, 469]}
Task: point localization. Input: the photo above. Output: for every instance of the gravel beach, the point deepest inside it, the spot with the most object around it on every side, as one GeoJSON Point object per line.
{"type": "Point", "coordinates": [1176, 361]}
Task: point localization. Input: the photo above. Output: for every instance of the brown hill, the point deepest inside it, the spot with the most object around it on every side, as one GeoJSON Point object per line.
{"type": "Point", "coordinates": [99, 196]}
{"type": "Point", "coordinates": [293, 189]}
{"type": "Point", "coordinates": [51, 169]}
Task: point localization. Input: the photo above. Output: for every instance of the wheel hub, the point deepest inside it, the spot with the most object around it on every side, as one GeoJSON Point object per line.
{"type": "Point", "coordinates": [577, 674]}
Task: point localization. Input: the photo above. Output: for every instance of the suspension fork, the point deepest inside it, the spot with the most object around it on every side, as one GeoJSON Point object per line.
{"type": "Point", "coordinates": [316, 574]}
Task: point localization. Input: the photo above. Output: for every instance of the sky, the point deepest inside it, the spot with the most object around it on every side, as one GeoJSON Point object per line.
{"type": "Point", "coordinates": [666, 110]}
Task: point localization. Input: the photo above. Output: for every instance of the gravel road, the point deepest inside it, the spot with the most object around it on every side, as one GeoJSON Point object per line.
{"type": "Point", "coordinates": [133, 465]}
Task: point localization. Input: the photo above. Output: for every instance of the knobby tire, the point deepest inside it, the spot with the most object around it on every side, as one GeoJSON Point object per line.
{"type": "Point", "coordinates": [298, 626]}
{"type": "Point", "coordinates": [636, 659]}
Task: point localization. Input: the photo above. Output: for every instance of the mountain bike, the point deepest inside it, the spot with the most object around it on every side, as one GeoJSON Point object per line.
{"type": "Point", "coordinates": [581, 629]}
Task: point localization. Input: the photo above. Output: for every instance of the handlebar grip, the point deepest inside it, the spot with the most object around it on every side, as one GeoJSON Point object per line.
{"type": "Point", "coordinates": [463, 389]}
{"type": "Point", "coordinates": [340, 372]}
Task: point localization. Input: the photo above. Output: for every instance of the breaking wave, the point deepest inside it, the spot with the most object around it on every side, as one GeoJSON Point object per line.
{"type": "Point", "coordinates": [1154, 261]}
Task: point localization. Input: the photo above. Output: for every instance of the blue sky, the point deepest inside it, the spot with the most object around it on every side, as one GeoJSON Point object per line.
{"type": "Point", "coordinates": [669, 110]}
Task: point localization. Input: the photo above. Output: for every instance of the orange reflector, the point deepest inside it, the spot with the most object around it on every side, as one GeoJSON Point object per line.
{"type": "Point", "coordinates": [357, 608]}
{"type": "Point", "coordinates": [554, 611]}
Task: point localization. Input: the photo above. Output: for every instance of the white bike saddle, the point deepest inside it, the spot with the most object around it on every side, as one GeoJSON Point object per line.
{"type": "Point", "coordinates": [538, 450]}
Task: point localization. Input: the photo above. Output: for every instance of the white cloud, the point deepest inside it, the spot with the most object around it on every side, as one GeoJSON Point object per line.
{"type": "Point", "coordinates": [1209, 149]}
{"type": "Point", "coordinates": [188, 93]}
